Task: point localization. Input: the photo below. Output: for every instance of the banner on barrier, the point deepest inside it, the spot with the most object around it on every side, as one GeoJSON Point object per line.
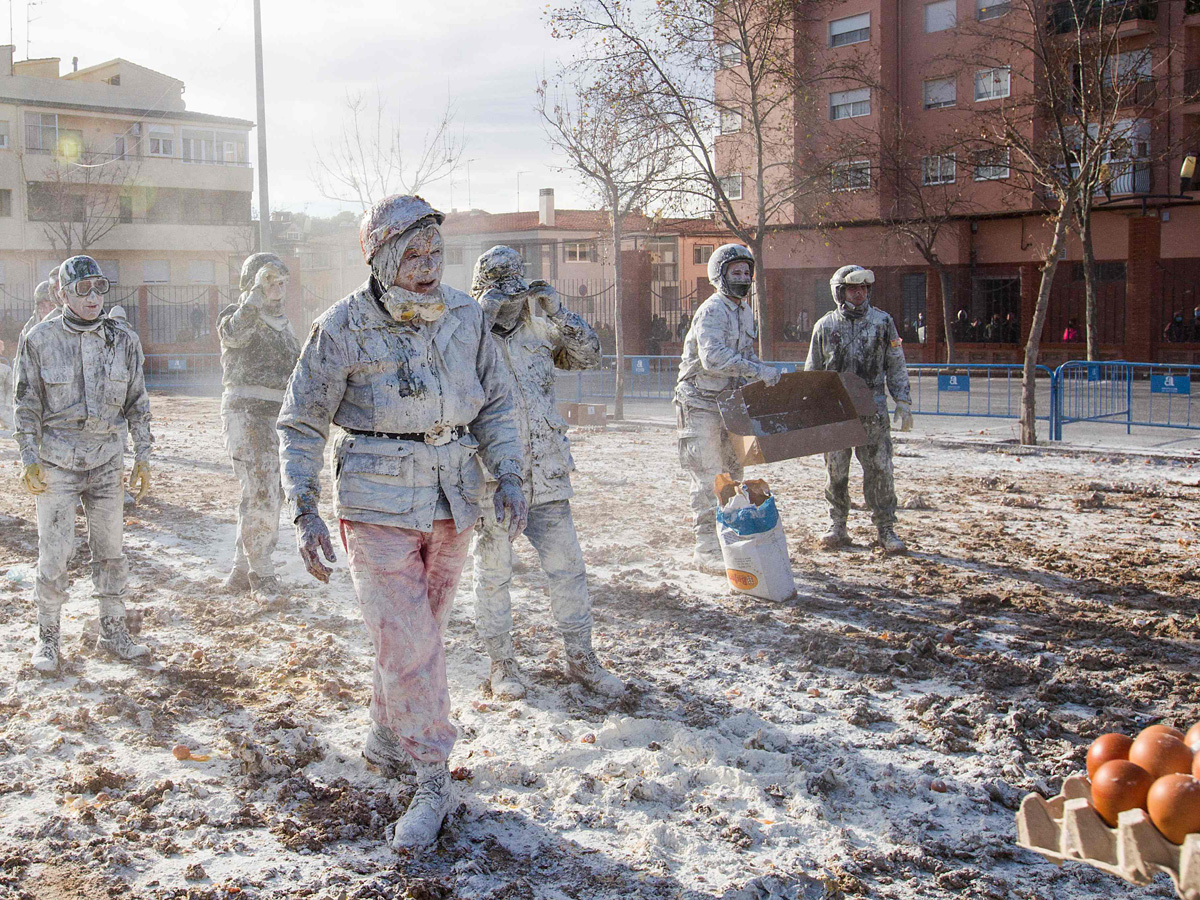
{"type": "Point", "coordinates": [641, 365]}
{"type": "Point", "coordinates": [1170, 384]}
{"type": "Point", "coordinates": [954, 384]}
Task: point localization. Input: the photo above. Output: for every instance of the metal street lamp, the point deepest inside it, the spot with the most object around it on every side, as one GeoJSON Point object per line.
{"type": "Point", "coordinates": [520, 172]}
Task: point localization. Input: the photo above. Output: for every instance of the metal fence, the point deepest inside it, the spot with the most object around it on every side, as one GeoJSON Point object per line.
{"type": "Point", "coordinates": [1124, 393]}
{"type": "Point", "coordinates": [192, 373]}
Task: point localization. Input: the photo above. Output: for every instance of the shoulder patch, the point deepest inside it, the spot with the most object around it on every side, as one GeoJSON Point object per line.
{"type": "Point", "coordinates": [897, 342]}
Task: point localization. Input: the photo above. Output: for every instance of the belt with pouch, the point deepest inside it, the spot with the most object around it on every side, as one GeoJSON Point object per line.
{"type": "Point", "coordinates": [443, 434]}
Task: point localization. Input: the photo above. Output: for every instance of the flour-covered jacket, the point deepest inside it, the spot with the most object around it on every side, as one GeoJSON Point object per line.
{"type": "Point", "coordinates": [718, 351]}
{"type": "Point", "coordinates": [75, 392]}
{"type": "Point", "coordinates": [868, 346]}
{"type": "Point", "coordinates": [256, 358]}
{"type": "Point", "coordinates": [531, 351]}
{"type": "Point", "coordinates": [362, 370]}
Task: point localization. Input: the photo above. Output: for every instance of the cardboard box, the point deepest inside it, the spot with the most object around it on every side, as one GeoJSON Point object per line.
{"type": "Point", "coordinates": [584, 415]}
{"type": "Point", "coordinates": [805, 413]}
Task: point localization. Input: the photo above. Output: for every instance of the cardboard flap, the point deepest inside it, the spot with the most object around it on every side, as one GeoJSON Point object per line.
{"type": "Point", "coordinates": [861, 395]}
{"type": "Point", "coordinates": [800, 400]}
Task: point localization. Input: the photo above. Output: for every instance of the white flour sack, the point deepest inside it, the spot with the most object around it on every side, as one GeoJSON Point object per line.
{"type": "Point", "coordinates": [752, 540]}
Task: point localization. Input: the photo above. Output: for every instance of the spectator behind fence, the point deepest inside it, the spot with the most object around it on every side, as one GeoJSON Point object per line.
{"type": "Point", "coordinates": [1071, 334]}
{"type": "Point", "coordinates": [975, 331]}
{"type": "Point", "coordinates": [993, 333]}
{"type": "Point", "coordinates": [659, 331]}
{"type": "Point", "coordinates": [919, 330]}
{"type": "Point", "coordinates": [1176, 331]}
{"type": "Point", "coordinates": [1196, 324]}
{"type": "Point", "coordinates": [685, 322]}
{"type": "Point", "coordinates": [962, 327]}
{"type": "Point", "coordinates": [1012, 329]}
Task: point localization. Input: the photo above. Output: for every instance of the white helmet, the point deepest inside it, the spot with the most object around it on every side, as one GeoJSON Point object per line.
{"type": "Point", "coordinates": [849, 275]}
{"type": "Point", "coordinates": [719, 262]}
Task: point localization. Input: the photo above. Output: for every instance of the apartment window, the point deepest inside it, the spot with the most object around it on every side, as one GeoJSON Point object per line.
{"type": "Point", "coordinates": [730, 55]}
{"type": "Point", "coordinates": [1131, 67]}
{"type": "Point", "coordinates": [989, 9]}
{"type": "Point", "coordinates": [577, 251]}
{"type": "Point", "coordinates": [156, 271]}
{"type": "Point", "coordinates": [850, 104]}
{"type": "Point", "coordinates": [940, 93]}
{"type": "Point", "coordinates": [197, 146]}
{"type": "Point", "coordinates": [701, 253]}
{"type": "Point", "coordinates": [202, 271]}
{"type": "Point", "coordinates": [851, 176]}
{"type": "Point", "coordinates": [850, 30]}
{"type": "Point", "coordinates": [731, 121]}
{"type": "Point", "coordinates": [453, 256]}
{"type": "Point", "coordinates": [992, 84]}
{"type": "Point", "coordinates": [162, 142]}
{"type": "Point", "coordinates": [41, 131]}
{"type": "Point", "coordinates": [732, 186]}
{"type": "Point", "coordinates": [5, 203]}
{"type": "Point", "coordinates": [992, 165]}
{"type": "Point", "coordinates": [125, 209]}
{"type": "Point", "coordinates": [118, 146]}
{"type": "Point", "coordinates": [941, 16]}
{"type": "Point", "coordinates": [938, 169]}
{"type": "Point", "coordinates": [3, 134]}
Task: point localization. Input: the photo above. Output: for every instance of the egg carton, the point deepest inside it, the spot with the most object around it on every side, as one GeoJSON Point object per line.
{"type": "Point", "coordinates": [1066, 827]}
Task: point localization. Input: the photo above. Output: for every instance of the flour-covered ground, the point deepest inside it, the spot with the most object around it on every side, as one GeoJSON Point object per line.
{"type": "Point", "coordinates": [871, 737]}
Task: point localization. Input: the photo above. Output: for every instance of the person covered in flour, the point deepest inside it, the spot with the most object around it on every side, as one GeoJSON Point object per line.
{"type": "Point", "coordinates": [258, 352]}
{"type": "Point", "coordinates": [536, 333]}
{"type": "Point", "coordinates": [79, 386]}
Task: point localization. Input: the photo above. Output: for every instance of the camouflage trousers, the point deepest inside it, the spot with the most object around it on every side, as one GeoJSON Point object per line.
{"type": "Point", "coordinates": [103, 495]}
{"type": "Point", "coordinates": [879, 488]}
{"type": "Point", "coordinates": [704, 453]}
{"type": "Point", "coordinates": [253, 446]}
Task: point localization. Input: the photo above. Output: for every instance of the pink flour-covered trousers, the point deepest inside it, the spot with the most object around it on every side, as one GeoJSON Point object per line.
{"type": "Point", "coordinates": [405, 581]}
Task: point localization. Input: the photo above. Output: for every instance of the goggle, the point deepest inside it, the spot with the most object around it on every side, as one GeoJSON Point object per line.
{"type": "Point", "coordinates": [85, 286]}
{"type": "Point", "coordinates": [427, 312]}
{"type": "Point", "coordinates": [859, 276]}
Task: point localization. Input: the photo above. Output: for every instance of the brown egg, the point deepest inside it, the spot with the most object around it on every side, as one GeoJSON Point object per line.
{"type": "Point", "coordinates": [1117, 786]}
{"type": "Point", "coordinates": [1192, 739]}
{"type": "Point", "coordinates": [1161, 754]}
{"type": "Point", "coordinates": [1106, 747]}
{"type": "Point", "coordinates": [1162, 729]}
{"type": "Point", "coordinates": [1174, 806]}
{"type": "Point", "coordinates": [180, 751]}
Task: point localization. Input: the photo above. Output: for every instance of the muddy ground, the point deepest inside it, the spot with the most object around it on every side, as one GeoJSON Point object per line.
{"type": "Point", "coordinates": [869, 738]}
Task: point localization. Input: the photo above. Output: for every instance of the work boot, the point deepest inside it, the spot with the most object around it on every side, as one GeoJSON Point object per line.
{"type": "Point", "coordinates": [45, 655]}
{"type": "Point", "coordinates": [708, 559]}
{"type": "Point", "coordinates": [115, 639]}
{"type": "Point", "coordinates": [835, 537]}
{"type": "Point", "coordinates": [419, 826]}
{"type": "Point", "coordinates": [505, 677]}
{"type": "Point", "coordinates": [584, 667]}
{"type": "Point", "coordinates": [382, 750]}
{"type": "Point", "coordinates": [267, 587]}
{"type": "Point", "coordinates": [236, 582]}
{"type": "Point", "coordinates": [889, 542]}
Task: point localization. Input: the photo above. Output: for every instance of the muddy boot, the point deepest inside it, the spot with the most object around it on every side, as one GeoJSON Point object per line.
{"type": "Point", "coordinates": [419, 827]}
{"type": "Point", "coordinates": [382, 750]}
{"type": "Point", "coordinates": [505, 676]}
{"type": "Point", "coordinates": [835, 537]}
{"type": "Point", "coordinates": [708, 559]}
{"type": "Point", "coordinates": [46, 655]}
{"type": "Point", "coordinates": [266, 587]}
{"type": "Point", "coordinates": [584, 667]}
{"type": "Point", "coordinates": [115, 639]}
{"type": "Point", "coordinates": [889, 542]}
{"type": "Point", "coordinates": [236, 582]}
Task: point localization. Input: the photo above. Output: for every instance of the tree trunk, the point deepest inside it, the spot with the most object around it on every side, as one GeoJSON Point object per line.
{"type": "Point", "coordinates": [619, 301]}
{"type": "Point", "coordinates": [1089, 285]}
{"type": "Point", "coordinates": [760, 298]}
{"type": "Point", "coordinates": [1029, 375]}
{"type": "Point", "coordinates": [947, 308]}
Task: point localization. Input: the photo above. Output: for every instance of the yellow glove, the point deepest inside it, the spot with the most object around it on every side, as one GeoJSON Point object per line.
{"type": "Point", "coordinates": [140, 476]}
{"type": "Point", "coordinates": [34, 478]}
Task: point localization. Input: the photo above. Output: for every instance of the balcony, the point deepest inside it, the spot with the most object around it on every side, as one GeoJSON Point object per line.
{"type": "Point", "coordinates": [1131, 177]}
{"type": "Point", "coordinates": [1132, 17]}
{"type": "Point", "coordinates": [156, 171]}
{"type": "Point", "coordinates": [1144, 92]}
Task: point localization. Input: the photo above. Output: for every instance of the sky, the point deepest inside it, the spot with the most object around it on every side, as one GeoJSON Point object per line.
{"type": "Point", "coordinates": [484, 58]}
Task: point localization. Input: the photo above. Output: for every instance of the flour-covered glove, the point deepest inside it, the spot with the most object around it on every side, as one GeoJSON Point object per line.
{"type": "Point", "coordinates": [34, 478]}
{"type": "Point", "coordinates": [769, 375]}
{"type": "Point", "coordinates": [491, 300]}
{"type": "Point", "coordinates": [312, 538]}
{"type": "Point", "coordinates": [510, 501]}
{"type": "Point", "coordinates": [903, 418]}
{"type": "Point", "coordinates": [139, 480]}
{"type": "Point", "coordinates": [547, 297]}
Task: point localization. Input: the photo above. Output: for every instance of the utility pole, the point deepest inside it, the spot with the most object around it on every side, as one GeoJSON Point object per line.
{"type": "Point", "coordinates": [264, 203]}
{"type": "Point", "coordinates": [469, 161]}
{"type": "Point", "coordinates": [520, 172]}
{"type": "Point", "coordinates": [29, 20]}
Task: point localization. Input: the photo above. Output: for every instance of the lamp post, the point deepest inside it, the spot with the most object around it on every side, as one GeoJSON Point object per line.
{"type": "Point", "coordinates": [264, 203]}
{"type": "Point", "coordinates": [469, 161]}
{"type": "Point", "coordinates": [520, 172]}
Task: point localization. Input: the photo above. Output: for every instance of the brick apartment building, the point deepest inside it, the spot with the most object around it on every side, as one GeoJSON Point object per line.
{"type": "Point", "coordinates": [1146, 241]}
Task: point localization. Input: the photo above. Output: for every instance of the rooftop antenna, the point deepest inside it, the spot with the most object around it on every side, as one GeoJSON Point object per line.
{"type": "Point", "coordinates": [29, 20]}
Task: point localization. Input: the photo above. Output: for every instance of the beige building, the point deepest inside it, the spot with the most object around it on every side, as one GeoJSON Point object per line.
{"type": "Point", "coordinates": [108, 160]}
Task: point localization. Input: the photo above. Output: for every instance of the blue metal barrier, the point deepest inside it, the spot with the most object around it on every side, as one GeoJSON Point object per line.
{"type": "Point", "coordinates": [1155, 395]}
{"type": "Point", "coordinates": [185, 372]}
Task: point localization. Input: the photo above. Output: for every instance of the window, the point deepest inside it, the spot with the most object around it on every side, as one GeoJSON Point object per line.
{"type": "Point", "coordinates": [849, 104]}
{"type": "Point", "coordinates": [989, 9]}
{"type": "Point", "coordinates": [5, 203]}
{"type": "Point", "coordinates": [197, 146]}
{"type": "Point", "coordinates": [851, 176]}
{"type": "Point", "coordinates": [992, 84]}
{"type": "Point", "coordinates": [732, 186]}
{"type": "Point", "coordinates": [701, 253]}
{"type": "Point", "coordinates": [578, 251]}
{"type": "Point", "coordinates": [156, 271]}
{"type": "Point", "coordinates": [851, 30]}
{"type": "Point", "coordinates": [41, 131]}
{"type": "Point", "coordinates": [3, 134]}
{"type": "Point", "coordinates": [731, 121]}
{"type": "Point", "coordinates": [162, 142]}
{"type": "Point", "coordinates": [118, 147]}
{"type": "Point", "coordinates": [940, 16]}
{"type": "Point", "coordinates": [125, 209]}
{"type": "Point", "coordinates": [991, 165]}
{"type": "Point", "coordinates": [202, 271]}
{"type": "Point", "coordinates": [939, 169]}
{"type": "Point", "coordinates": [453, 256]}
{"type": "Point", "coordinates": [940, 93]}
{"type": "Point", "coordinates": [730, 55]}
{"type": "Point", "coordinates": [292, 235]}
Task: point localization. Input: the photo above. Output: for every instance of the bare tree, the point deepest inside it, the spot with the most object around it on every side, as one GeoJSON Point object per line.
{"type": "Point", "coordinates": [372, 157]}
{"type": "Point", "coordinates": [81, 196]}
{"type": "Point", "coordinates": [720, 77]}
{"type": "Point", "coordinates": [624, 159]}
